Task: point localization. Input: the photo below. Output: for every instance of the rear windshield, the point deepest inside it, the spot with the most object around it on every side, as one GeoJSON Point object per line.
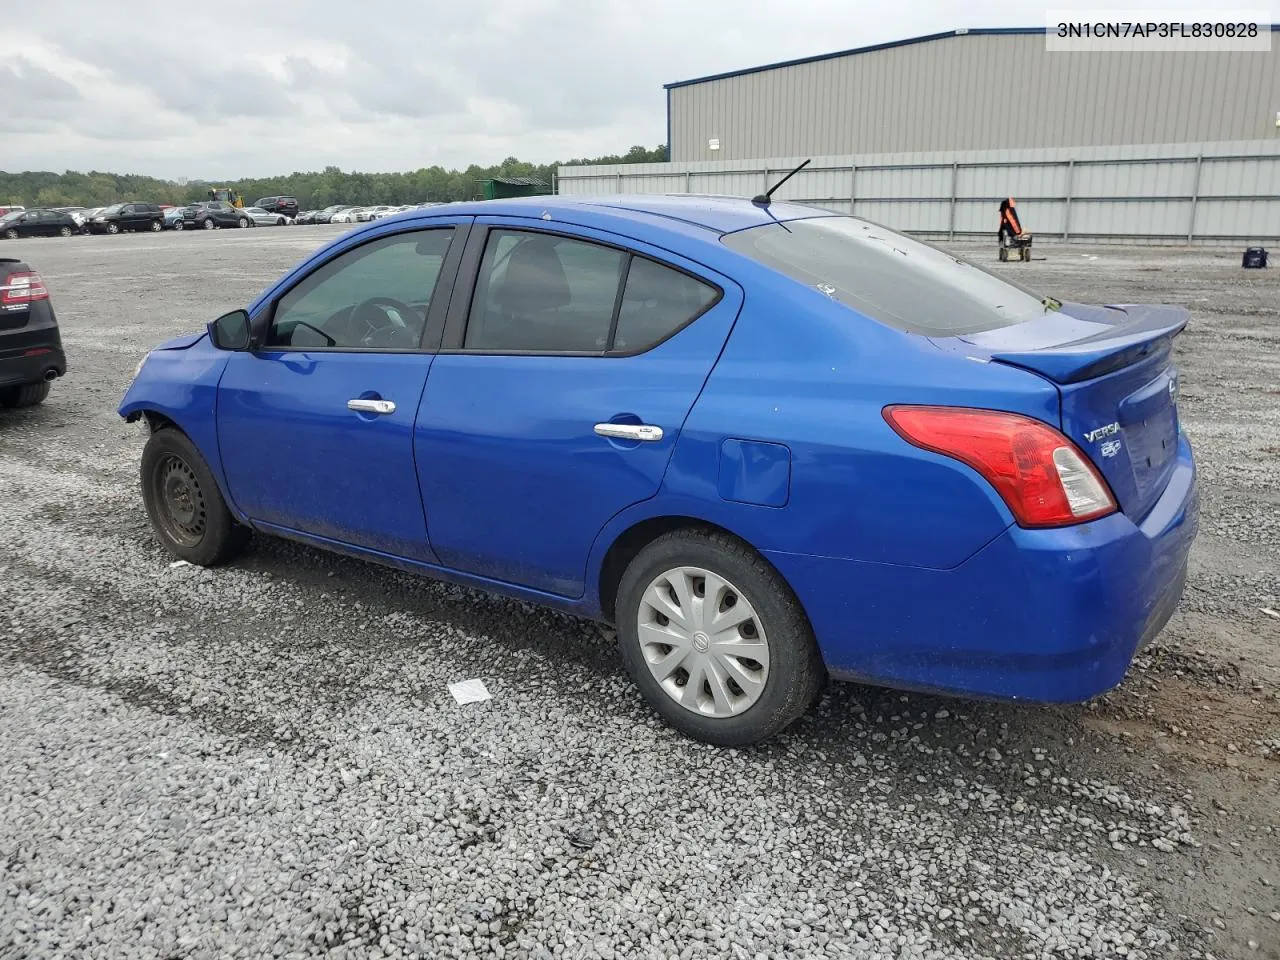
{"type": "Point", "coordinates": [889, 277]}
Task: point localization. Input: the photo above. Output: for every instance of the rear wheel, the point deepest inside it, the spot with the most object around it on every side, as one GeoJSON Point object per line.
{"type": "Point", "coordinates": [715, 639]}
{"type": "Point", "coordinates": [156, 226]}
{"type": "Point", "coordinates": [184, 503]}
{"type": "Point", "coordinates": [27, 395]}
{"type": "Point", "coordinates": [177, 225]}
{"type": "Point", "coordinates": [64, 232]}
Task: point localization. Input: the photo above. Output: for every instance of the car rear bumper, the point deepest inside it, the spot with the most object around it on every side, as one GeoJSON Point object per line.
{"type": "Point", "coordinates": [30, 364]}
{"type": "Point", "coordinates": [1040, 615]}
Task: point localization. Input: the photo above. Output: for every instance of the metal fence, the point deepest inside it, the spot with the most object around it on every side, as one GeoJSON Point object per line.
{"type": "Point", "coordinates": [1196, 193]}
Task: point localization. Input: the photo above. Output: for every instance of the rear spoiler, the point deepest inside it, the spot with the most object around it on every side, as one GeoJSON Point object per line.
{"type": "Point", "coordinates": [1145, 330]}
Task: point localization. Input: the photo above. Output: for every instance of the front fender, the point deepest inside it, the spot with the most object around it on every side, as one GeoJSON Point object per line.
{"type": "Point", "coordinates": [182, 386]}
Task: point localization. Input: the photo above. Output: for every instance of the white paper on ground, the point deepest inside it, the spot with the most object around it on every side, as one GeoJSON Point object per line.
{"type": "Point", "coordinates": [469, 691]}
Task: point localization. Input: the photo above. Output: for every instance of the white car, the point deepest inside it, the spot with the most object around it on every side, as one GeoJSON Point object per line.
{"type": "Point", "coordinates": [372, 213]}
{"type": "Point", "coordinates": [262, 218]}
{"type": "Point", "coordinates": [390, 212]}
{"type": "Point", "coordinates": [347, 216]}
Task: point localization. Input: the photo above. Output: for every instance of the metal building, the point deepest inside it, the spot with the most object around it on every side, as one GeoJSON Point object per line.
{"type": "Point", "coordinates": [974, 90]}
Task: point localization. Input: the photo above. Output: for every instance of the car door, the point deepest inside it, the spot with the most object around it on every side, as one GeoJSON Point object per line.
{"type": "Point", "coordinates": [315, 425]}
{"type": "Point", "coordinates": [570, 361]}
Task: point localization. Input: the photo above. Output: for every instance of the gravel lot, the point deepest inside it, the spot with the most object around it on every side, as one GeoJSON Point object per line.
{"type": "Point", "coordinates": [264, 761]}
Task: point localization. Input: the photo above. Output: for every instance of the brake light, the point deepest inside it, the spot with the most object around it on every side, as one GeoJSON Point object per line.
{"type": "Point", "coordinates": [21, 289]}
{"type": "Point", "coordinates": [1043, 477]}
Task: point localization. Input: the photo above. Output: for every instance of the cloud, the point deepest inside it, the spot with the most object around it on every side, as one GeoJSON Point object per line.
{"type": "Point", "coordinates": [233, 88]}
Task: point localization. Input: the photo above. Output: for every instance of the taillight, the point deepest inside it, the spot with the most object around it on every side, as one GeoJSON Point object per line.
{"type": "Point", "coordinates": [21, 289]}
{"type": "Point", "coordinates": [1042, 476]}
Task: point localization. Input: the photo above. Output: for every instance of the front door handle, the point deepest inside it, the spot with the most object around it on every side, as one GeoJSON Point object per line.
{"type": "Point", "coordinates": [629, 431]}
{"type": "Point", "coordinates": [371, 406]}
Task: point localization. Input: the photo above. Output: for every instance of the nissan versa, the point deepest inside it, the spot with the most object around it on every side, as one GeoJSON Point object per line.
{"type": "Point", "coordinates": [768, 443]}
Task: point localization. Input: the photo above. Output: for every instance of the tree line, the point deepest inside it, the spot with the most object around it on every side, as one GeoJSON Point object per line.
{"type": "Point", "coordinates": [314, 190]}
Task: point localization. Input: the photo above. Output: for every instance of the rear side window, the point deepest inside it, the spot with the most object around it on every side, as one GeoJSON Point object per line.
{"type": "Point", "coordinates": [889, 277]}
{"type": "Point", "coordinates": [656, 303]}
{"type": "Point", "coordinates": [541, 293]}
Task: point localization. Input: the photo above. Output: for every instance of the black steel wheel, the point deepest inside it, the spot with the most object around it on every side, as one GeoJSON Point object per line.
{"type": "Point", "coordinates": [184, 503]}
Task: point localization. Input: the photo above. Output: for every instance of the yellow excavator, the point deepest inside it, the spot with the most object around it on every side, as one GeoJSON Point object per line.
{"type": "Point", "coordinates": [227, 194]}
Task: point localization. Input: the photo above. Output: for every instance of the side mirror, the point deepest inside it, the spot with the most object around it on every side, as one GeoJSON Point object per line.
{"type": "Point", "coordinates": [230, 331]}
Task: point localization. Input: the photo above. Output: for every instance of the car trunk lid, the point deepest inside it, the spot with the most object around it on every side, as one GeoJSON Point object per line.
{"type": "Point", "coordinates": [1113, 367]}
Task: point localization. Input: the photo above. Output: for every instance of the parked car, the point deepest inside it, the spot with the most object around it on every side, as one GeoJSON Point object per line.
{"type": "Point", "coordinates": [36, 223]}
{"type": "Point", "coordinates": [798, 444]}
{"type": "Point", "coordinates": [262, 218]}
{"type": "Point", "coordinates": [211, 214]}
{"type": "Point", "coordinates": [82, 217]}
{"type": "Point", "coordinates": [324, 216]}
{"type": "Point", "coordinates": [364, 214]}
{"type": "Point", "coordinates": [349, 215]}
{"type": "Point", "coordinates": [175, 218]}
{"type": "Point", "coordinates": [122, 217]}
{"type": "Point", "coordinates": [306, 217]}
{"type": "Point", "coordinates": [286, 206]}
{"type": "Point", "coordinates": [31, 356]}
{"type": "Point", "coordinates": [10, 208]}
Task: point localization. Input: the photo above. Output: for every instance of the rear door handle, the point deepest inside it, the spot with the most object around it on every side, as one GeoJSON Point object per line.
{"type": "Point", "coordinates": [371, 406]}
{"type": "Point", "coordinates": [629, 431]}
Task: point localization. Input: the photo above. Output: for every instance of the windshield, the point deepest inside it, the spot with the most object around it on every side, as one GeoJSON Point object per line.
{"type": "Point", "coordinates": [114, 208]}
{"type": "Point", "coordinates": [12, 215]}
{"type": "Point", "coordinates": [889, 277]}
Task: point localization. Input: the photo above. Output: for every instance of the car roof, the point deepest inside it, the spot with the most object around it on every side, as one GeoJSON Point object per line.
{"type": "Point", "coordinates": [716, 213]}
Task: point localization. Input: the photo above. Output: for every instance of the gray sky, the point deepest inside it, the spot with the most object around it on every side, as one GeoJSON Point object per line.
{"type": "Point", "coordinates": [230, 88]}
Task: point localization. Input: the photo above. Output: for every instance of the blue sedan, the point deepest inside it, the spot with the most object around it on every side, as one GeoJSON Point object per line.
{"type": "Point", "coordinates": [770, 444]}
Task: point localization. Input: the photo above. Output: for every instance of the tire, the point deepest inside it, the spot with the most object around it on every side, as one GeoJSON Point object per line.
{"type": "Point", "coordinates": [209, 224]}
{"type": "Point", "coordinates": [1004, 254]}
{"type": "Point", "coordinates": [156, 226]}
{"type": "Point", "coordinates": [184, 503]}
{"type": "Point", "coordinates": [787, 680]}
{"type": "Point", "coordinates": [244, 222]}
{"type": "Point", "coordinates": [279, 221]}
{"type": "Point", "coordinates": [177, 225]}
{"type": "Point", "coordinates": [64, 232]}
{"type": "Point", "coordinates": [113, 228]}
{"type": "Point", "coordinates": [11, 234]}
{"type": "Point", "coordinates": [26, 395]}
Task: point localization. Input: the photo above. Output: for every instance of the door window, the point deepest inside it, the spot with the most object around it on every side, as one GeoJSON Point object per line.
{"type": "Point", "coordinates": [657, 302]}
{"type": "Point", "coordinates": [373, 297]}
{"type": "Point", "coordinates": [541, 293]}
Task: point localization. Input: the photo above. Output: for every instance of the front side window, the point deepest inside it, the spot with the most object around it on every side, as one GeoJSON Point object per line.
{"type": "Point", "coordinates": [373, 297]}
{"type": "Point", "coordinates": [894, 279]}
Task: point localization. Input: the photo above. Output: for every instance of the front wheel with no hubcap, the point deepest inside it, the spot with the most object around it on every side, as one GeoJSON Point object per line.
{"type": "Point", "coordinates": [184, 503]}
{"type": "Point", "coordinates": [715, 639]}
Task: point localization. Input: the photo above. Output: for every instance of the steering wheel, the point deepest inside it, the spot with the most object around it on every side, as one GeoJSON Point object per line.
{"type": "Point", "coordinates": [383, 319]}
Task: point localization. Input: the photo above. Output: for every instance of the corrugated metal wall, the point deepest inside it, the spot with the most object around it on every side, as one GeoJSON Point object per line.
{"type": "Point", "coordinates": [977, 91]}
{"type": "Point", "coordinates": [1170, 193]}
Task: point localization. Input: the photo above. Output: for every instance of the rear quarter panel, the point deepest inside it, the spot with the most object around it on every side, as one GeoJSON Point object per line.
{"type": "Point", "coordinates": [805, 372]}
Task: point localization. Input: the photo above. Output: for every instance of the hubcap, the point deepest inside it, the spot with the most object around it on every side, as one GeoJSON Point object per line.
{"type": "Point", "coordinates": [703, 642]}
